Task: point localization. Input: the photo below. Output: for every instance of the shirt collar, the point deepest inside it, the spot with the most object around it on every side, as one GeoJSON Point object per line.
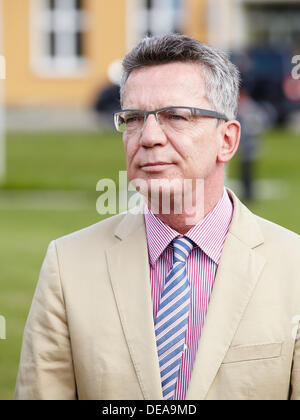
{"type": "Point", "coordinates": [209, 234]}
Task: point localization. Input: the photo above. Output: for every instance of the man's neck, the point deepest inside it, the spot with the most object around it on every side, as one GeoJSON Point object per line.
{"type": "Point", "coordinates": [192, 215]}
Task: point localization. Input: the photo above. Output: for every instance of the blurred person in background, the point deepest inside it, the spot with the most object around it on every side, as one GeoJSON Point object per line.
{"type": "Point", "coordinates": [160, 305]}
{"type": "Point", "coordinates": [254, 120]}
{"type": "Point", "coordinates": [107, 101]}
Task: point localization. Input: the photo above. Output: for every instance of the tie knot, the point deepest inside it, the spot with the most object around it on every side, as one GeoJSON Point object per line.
{"type": "Point", "coordinates": [182, 248]}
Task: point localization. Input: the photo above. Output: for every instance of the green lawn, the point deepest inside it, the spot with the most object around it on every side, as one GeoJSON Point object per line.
{"type": "Point", "coordinates": [45, 163]}
{"type": "Point", "coordinates": [63, 161]}
{"type": "Point", "coordinates": [24, 239]}
{"type": "Point", "coordinates": [279, 164]}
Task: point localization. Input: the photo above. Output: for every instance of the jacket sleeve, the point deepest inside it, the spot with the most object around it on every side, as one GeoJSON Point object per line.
{"type": "Point", "coordinates": [295, 382]}
{"type": "Point", "coordinates": [46, 367]}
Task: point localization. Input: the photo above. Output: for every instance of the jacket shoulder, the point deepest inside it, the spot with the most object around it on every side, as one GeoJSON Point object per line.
{"type": "Point", "coordinates": [279, 236]}
{"type": "Point", "coordinates": [105, 226]}
{"type": "Point", "coordinates": [102, 233]}
{"type": "Point", "coordinates": [272, 228]}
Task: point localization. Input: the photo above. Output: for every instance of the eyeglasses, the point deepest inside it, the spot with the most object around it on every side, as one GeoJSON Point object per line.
{"type": "Point", "coordinates": [178, 118]}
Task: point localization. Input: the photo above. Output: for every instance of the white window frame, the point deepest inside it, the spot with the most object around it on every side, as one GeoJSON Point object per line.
{"type": "Point", "coordinates": [228, 26]}
{"type": "Point", "coordinates": [64, 24]}
{"type": "Point", "coordinates": [163, 18]}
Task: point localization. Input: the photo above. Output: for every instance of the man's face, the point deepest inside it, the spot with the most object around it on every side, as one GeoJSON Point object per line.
{"type": "Point", "coordinates": [159, 153]}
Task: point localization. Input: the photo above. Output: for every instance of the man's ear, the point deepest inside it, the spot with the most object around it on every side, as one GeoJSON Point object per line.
{"type": "Point", "coordinates": [230, 133]}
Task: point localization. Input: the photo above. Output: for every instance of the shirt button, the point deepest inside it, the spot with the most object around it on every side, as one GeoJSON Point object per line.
{"type": "Point", "coordinates": [185, 347]}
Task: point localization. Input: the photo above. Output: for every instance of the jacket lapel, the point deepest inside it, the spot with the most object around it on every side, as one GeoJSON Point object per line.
{"type": "Point", "coordinates": [237, 275]}
{"type": "Point", "coordinates": [129, 272]}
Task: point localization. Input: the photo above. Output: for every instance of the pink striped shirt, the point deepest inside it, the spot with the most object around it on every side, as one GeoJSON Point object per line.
{"type": "Point", "coordinates": [209, 235]}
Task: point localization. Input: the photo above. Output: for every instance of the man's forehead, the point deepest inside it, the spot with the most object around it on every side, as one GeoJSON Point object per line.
{"type": "Point", "coordinates": [168, 82]}
{"type": "Point", "coordinates": [178, 68]}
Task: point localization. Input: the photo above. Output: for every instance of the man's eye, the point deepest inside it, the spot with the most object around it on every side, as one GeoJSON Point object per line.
{"type": "Point", "coordinates": [133, 118]}
{"type": "Point", "coordinates": [177, 117]}
{"type": "Point", "coordinates": [128, 120]}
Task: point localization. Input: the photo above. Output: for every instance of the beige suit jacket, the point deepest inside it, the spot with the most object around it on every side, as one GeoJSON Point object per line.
{"type": "Point", "coordinates": [90, 333]}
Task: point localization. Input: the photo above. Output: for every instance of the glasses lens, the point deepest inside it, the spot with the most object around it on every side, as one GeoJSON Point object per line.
{"type": "Point", "coordinates": [129, 121]}
{"type": "Point", "coordinates": [119, 123]}
{"type": "Point", "coordinates": [175, 118]}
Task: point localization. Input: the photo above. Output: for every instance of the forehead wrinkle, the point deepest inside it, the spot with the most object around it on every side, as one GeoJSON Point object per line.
{"type": "Point", "coordinates": [158, 90]}
{"type": "Point", "coordinates": [148, 102]}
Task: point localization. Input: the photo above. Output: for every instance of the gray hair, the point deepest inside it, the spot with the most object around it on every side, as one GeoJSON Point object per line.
{"type": "Point", "coordinates": [221, 77]}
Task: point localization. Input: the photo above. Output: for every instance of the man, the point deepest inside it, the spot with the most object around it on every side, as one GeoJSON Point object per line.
{"type": "Point", "coordinates": [179, 304]}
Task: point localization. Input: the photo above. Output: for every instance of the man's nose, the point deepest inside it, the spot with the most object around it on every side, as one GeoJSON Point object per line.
{"type": "Point", "coordinates": [152, 133]}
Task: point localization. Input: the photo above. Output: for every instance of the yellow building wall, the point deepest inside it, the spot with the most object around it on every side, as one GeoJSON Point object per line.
{"type": "Point", "coordinates": [105, 41]}
{"type": "Point", "coordinates": [196, 19]}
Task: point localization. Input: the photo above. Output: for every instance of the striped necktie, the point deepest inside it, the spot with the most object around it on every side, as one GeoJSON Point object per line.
{"type": "Point", "coordinates": [172, 317]}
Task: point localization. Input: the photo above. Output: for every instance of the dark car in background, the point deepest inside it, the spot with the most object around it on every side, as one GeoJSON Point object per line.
{"type": "Point", "coordinates": [267, 76]}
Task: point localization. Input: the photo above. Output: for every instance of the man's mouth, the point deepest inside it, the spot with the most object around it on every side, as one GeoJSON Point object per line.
{"type": "Point", "coordinates": [149, 166]}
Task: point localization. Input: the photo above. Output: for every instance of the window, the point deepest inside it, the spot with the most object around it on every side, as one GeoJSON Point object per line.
{"type": "Point", "coordinates": [158, 17]}
{"type": "Point", "coordinates": [274, 24]}
{"type": "Point", "coordinates": [57, 38]}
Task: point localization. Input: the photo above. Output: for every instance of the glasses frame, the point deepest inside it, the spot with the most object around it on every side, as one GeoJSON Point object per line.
{"type": "Point", "coordinates": [195, 111]}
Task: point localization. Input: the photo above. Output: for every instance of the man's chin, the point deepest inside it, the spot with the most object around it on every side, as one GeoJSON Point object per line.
{"type": "Point", "coordinates": [165, 186]}
{"type": "Point", "coordinates": [171, 195]}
